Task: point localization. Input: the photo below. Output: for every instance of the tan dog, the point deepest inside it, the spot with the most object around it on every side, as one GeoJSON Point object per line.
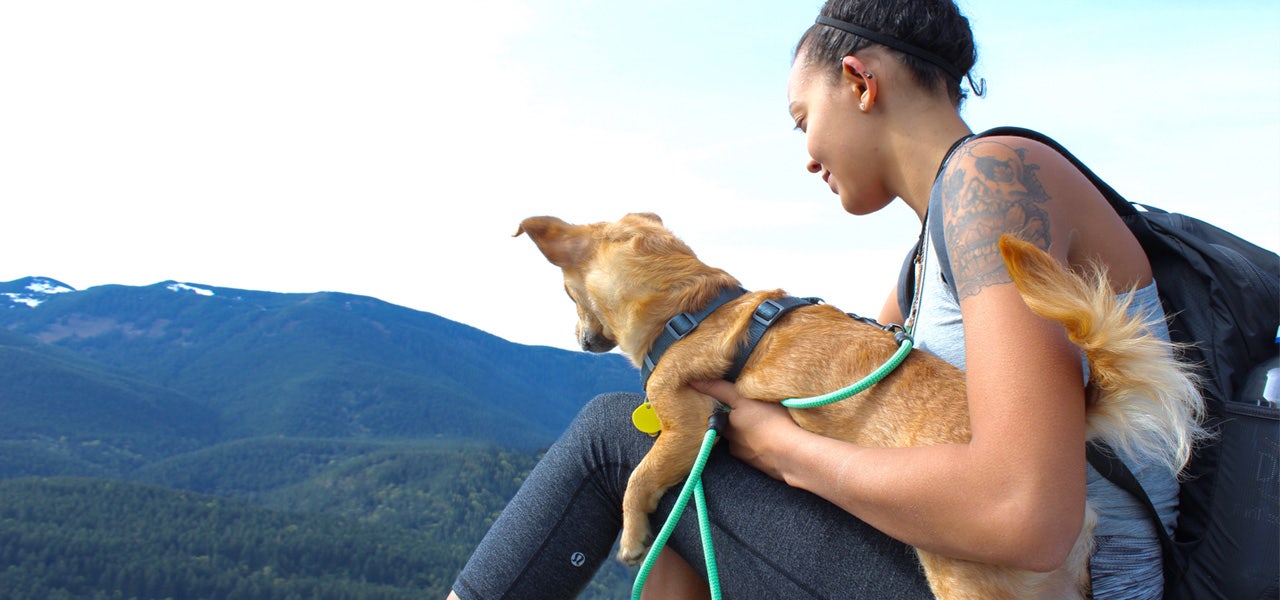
{"type": "Point", "coordinates": [628, 278]}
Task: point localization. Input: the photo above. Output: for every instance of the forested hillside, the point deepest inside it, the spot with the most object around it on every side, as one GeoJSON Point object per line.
{"type": "Point", "coordinates": [391, 522]}
{"type": "Point", "coordinates": [87, 538]}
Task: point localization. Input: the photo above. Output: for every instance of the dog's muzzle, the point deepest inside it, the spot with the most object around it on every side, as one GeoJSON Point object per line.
{"type": "Point", "coordinates": [594, 342]}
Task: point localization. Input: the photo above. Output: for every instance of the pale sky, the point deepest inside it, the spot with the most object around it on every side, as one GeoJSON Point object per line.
{"type": "Point", "coordinates": [390, 148]}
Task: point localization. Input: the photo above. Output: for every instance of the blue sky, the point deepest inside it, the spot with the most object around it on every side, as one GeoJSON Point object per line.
{"type": "Point", "coordinates": [390, 148]}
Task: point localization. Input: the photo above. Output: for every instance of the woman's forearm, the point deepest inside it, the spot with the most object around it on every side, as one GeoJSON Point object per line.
{"type": "Point", "coordinates": [947, 499]}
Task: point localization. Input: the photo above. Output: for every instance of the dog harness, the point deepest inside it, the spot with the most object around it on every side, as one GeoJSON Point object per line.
{"type": "Point", "coordinates": [677, 328]}
{"type": "Point", "coordinates": [681, 325]}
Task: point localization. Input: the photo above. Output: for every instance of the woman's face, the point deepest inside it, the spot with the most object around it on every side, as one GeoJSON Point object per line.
{"type": "Point", "coordinates": [837, 136]}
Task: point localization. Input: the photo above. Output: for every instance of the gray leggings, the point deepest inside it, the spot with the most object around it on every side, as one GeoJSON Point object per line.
{"type": "Point", "coordinates": [771, 540]}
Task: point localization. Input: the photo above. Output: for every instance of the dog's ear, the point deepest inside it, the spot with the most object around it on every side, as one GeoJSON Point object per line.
{"type": "Point", "coordinates": [564, 244]}
{"type": "Point", "coordinates": [648, 216]}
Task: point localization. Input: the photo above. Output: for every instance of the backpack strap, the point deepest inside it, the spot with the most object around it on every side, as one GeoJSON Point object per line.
{"type": "Point", "coordinates": [907, 282]}
{"type": "Point", "coordinates": [1104, 461]}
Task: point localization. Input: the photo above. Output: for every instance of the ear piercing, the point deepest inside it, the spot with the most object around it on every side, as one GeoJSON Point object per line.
{"type": "Point", "coordinates": [865, 74]}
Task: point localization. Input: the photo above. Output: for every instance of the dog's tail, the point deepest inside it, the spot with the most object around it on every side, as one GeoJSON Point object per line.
{"type": "Point", "coordinates": [1142, 397]}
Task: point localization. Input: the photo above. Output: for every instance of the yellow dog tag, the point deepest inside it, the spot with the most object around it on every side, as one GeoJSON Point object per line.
{"type": "Point", "coordinates": [646, 420]}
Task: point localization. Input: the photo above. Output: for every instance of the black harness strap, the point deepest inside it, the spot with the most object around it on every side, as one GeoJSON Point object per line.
{"type": "Point", "coordinates": [764, 317]}
{"type": "Point", "coordinates": [681, 325]}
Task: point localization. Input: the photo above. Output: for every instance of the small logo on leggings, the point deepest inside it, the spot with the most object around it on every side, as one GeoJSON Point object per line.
{"type": "Point", "coordinates": [578, 559]}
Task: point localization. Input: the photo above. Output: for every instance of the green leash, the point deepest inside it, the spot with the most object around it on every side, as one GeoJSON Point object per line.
{"type": "Point", "coordinates": [693, 484]}
{"type": "Point", "coordinates": [905, 343]}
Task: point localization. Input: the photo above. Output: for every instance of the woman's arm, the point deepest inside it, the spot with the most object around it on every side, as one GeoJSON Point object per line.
{"type": "Point", "coordinates": [1015, 494]}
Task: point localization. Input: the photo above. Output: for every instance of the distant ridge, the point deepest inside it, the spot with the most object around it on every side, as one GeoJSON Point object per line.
{"type": "Point", "coordinates": [248, 363]}
{"type": "Point", "coordinates": [30, 291]}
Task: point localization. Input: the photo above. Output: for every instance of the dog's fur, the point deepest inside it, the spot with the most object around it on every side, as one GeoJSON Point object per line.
{"type": "Point", "coordinates": [629, 277]}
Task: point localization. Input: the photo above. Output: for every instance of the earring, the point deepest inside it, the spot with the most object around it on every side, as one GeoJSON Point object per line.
{"type": "Point", "coordinates": [867, 75]}
{"type": "Point", "coordinates": [862, 106]}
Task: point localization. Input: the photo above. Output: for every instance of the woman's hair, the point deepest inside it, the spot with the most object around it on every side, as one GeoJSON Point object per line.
{"type": "Point", "coordinates": [932, 25]}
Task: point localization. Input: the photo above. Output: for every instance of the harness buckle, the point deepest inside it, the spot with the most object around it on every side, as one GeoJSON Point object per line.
{"type": "Point", "coordinates": [681, 324]}
{"type": "Point", "coordinates": [767, 312]}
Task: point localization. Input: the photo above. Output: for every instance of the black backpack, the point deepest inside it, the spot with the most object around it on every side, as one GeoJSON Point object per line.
{"type": "Point", "coordinates": [1222, 294]}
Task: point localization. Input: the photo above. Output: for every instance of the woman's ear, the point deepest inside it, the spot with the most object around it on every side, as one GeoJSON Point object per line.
{"type": "Point", "coordinates": [862, 80]}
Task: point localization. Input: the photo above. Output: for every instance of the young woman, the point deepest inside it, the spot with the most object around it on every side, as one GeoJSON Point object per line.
{"type": "Point", "coordinates": [876, 87]}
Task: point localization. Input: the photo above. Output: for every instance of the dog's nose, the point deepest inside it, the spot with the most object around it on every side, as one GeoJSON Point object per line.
{"type": "Point", "coordinates": [596, 343]}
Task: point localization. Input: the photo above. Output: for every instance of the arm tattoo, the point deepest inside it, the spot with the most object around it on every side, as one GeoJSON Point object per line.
{"type": "Point", "coordinates": [992, 191]}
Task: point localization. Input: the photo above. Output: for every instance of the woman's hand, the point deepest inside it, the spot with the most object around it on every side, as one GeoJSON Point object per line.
{"type": "Point", "coordinates": [758, 431]}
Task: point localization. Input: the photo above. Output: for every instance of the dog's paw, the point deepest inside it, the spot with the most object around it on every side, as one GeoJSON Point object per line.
{"type": "Point", "coordinates": [633, 547]}
{"type": "Point", "coordinates": [632, 557]}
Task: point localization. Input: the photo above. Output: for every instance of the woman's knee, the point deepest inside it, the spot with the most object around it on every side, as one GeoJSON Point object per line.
{"type": "Point", "coordinates": [607, 411]}
{"type": "Point", "coordinates": [602, 433]}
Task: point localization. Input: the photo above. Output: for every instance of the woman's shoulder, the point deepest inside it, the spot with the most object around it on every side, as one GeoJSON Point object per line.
{"type": "Point", "coordinates": [1003, 163]}
{"type": "Point", "coordinates": [1001, 184]}
{"type": "Point", "coordinates": [989, 187]}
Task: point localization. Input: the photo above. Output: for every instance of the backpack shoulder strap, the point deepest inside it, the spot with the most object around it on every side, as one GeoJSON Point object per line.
{"type": "Point", "coordinates": [907, 282]}
{"type": "Point", "coordinates": [1104, 461]}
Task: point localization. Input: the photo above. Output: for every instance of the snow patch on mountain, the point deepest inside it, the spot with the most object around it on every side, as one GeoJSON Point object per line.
{"type": "Point", "coordinates": [48, 286]}
{"type": "Point", "coordinates": [21, 299]}
{"type": "Point", "coordinates": [36, 290]}
{"type": "Point", "coordinates": [182, 287]}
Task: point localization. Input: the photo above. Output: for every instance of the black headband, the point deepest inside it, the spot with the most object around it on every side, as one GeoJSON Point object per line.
{"type": "Point", "coordinates": [905, 48]}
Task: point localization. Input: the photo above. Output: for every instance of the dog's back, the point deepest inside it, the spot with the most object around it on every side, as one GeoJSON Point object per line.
{"type": "Point", "coordinates": [1140, 397]}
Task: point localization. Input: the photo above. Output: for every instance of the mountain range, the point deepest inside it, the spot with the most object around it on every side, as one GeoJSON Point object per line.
{"type": "Point", "coordinates": [321, 402]}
